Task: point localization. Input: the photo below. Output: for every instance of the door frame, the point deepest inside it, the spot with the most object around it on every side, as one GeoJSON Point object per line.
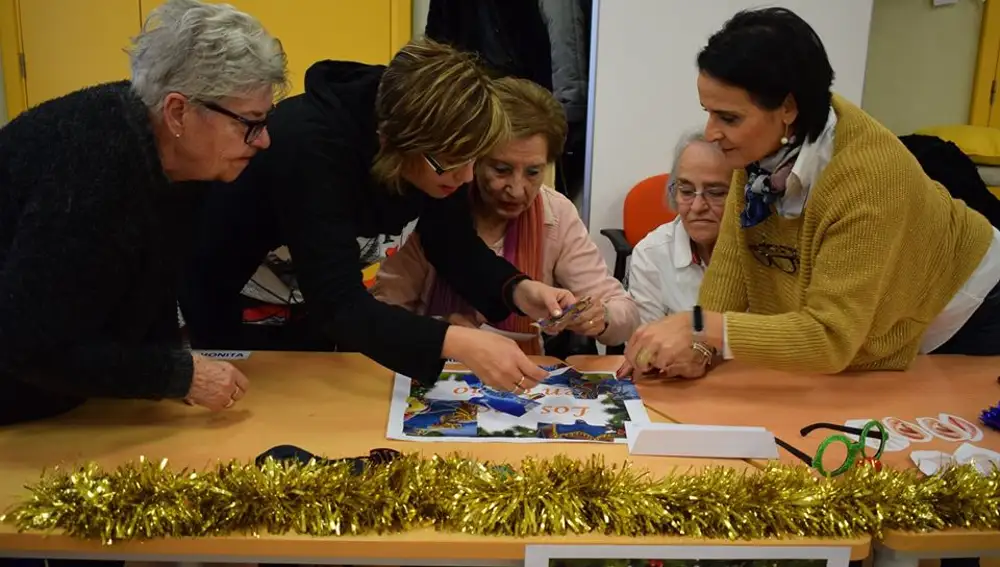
{"type": "Point", "coordinates": [15, 89]}
{"type": "Point", "coordinates": [984, 84]}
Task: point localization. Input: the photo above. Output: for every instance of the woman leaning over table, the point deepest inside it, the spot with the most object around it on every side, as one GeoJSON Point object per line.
{"type": "Point", "coordinates": [362, 152]}
{"type": "Point", "coordinates": [668, 265]}
{"type": "Point", "coordinates": [531, 225]}
{"type": "Point", "coordinates": [92, 227]}
{"type": "Point", "coordinates": [837, 252]}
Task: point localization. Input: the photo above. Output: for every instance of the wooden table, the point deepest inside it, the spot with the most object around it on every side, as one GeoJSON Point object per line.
{"type": "Point", "coordinates": [329, 404]}
{"type": "Point", "coordinates": [735, 394]}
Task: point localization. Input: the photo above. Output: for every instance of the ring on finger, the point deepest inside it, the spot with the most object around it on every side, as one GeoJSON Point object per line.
{"type": "Point", "coordinates": [230, 403]}
{"type": "Point", "coordinates": [519, 382]}
{"type": "Point", "coordinates": [644, 358]}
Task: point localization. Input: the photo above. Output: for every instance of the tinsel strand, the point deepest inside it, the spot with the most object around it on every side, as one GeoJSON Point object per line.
{"type": "Point", "coordinates": [147, 499]}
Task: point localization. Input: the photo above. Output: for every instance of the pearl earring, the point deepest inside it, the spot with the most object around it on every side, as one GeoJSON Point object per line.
{"type": "Point", "coordinates": [178, 136]}
{"type": "Point", "coordinates": [784, 140]}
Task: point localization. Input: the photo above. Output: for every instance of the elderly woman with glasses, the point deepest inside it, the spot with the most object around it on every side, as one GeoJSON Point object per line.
{"type": "Point", "coordinates": [668, 265]}
{"type": "Point", "coordinates": [837, 252]}
{"type": "Point", "coordinates": [92, 221]}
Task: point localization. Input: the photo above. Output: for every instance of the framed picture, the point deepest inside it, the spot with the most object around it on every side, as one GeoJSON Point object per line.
{"type": "Point", "coordinates": [684, 556]}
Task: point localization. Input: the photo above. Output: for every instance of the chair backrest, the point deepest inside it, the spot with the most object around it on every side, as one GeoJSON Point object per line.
{"type": "Point", "coordinates": [646, 208]}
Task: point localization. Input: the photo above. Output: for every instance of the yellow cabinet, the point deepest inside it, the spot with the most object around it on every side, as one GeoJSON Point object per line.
{"type": "Point", "coordinates": [69, 44]}
{"type": "Point", "coordinates": [313, 30]}
{"type": "Point", "coordinates": [63, 51]}
{"type": "Point", "coordinates": [985, 107]}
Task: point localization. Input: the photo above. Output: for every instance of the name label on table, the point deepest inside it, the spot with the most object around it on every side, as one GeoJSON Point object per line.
{"type": "Point", "coordinates": [225, 354]}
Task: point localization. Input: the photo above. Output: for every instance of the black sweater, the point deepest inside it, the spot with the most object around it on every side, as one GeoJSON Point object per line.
{"type": "Point", "coordinates": [89, 235]}
{"type": "Point", "coordinates": [313, 191]}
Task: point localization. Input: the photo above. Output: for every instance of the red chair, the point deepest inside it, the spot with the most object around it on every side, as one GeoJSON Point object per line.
{"type": "Point", "coordinates": [645, 209]}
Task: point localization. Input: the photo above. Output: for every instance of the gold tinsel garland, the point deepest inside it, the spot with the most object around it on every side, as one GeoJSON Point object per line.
{"type": "Point", "coordinates": [145, 500]}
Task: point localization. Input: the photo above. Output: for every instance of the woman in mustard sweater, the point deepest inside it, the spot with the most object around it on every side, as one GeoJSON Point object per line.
{"type": "Point", "coordinates": [836, 252]}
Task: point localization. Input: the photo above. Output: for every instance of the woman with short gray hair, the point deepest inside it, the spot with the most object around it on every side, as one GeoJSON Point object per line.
{"type": "Point", "coordinates": [93, 223]}
{"type": "Point", "coordinates": [668, 265]}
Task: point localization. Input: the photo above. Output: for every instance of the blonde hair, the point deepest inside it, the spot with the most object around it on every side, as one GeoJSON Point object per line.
{"type": "Point", "coordinates": [531, 110]}
{"type": "Point", "coordinates": [434, 99]}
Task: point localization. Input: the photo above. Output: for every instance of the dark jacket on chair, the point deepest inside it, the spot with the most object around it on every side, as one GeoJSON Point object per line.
{"type": "Point", "coordinates": [945, 163]}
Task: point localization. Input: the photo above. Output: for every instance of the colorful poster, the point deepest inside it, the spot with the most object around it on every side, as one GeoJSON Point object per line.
{"type": "Point", "coordinates": [571, 406]}
{"type": "Point", "coordinates": [684, 556]}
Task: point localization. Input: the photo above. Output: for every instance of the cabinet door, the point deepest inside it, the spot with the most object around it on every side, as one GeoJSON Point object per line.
{"type": "Point", "coordinates": [71, 44]}
{"type": "Point", "coordinates": [313, 30]}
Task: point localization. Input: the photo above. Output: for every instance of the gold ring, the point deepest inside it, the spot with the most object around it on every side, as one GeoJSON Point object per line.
{"type": "Point", "coordinates": [519, 382]}
{"type": "Point", "coordinates": [643, 359]}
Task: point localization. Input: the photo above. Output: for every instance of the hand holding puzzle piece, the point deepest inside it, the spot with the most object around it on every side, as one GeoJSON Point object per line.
{"type": "Point", "coordinates": [556, 323]}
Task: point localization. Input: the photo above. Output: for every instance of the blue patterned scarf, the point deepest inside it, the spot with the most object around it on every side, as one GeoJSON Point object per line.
{"type": "Point", "coordinates": [766, 184]}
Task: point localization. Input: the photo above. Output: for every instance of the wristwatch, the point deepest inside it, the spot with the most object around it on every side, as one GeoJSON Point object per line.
{"type": "Point", "coordinates": [698, 335]}
{"type": "Point", "coordinates": [697, 325]}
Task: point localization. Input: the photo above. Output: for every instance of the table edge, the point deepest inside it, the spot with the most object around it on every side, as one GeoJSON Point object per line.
{"type": "Point", "coordinates": [383, 547]}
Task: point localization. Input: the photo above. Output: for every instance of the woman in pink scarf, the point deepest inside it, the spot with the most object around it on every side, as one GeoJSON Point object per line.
{"type": "Point", "coordinates": [531, 225]}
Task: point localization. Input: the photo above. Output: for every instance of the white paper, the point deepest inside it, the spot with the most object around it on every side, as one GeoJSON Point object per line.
{"type": "Point", "coordinates": [455, 421]}
{"type": "Point", "coordinates": [933, 462]}
{"type": "Point", "coordinates": [984, 460]}
{"type": "Point", "coordinates": [705, 441]}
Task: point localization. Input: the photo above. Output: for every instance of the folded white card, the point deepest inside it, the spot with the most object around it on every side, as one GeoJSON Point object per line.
{"type": "Point", "coordinates": [708, 441]}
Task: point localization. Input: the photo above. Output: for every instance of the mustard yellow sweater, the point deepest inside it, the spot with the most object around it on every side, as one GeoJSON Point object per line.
{"type": "Point", "coordinates": [882, 249]}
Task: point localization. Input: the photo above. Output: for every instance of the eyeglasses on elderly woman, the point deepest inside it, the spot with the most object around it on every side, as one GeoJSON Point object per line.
{"type": "Point", "coordinates": [254, 127]}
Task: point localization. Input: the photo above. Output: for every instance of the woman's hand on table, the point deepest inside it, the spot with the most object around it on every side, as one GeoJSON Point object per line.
{"type": "Point", "coordinates": [215, 384]}
{"type": "Point", "coordinates": [539, 301]}
{"type": "Point", "coordinates": [668, 342]}
{"type": "Point", "coordinates": [494, 359]}
{"type": "Point", "coordinates": [693, 368]}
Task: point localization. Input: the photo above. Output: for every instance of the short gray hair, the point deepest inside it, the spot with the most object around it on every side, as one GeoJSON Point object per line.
{"type": "Point", "coordinates": [689, 137]}
{"type": "Point", "coordinates": [205, 52]}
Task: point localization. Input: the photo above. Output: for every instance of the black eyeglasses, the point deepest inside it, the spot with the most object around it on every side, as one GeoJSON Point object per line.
{"type": "Point", "coordinates": [440, 169]}
{"type": "Point", "coordinates": [785, 258]}
{"type": "Point", "coordinates": [254, 127]}
{"type": "Point", "coordinates": [375, 457]}
{"type": "Point", "coordinates": [836, 465]}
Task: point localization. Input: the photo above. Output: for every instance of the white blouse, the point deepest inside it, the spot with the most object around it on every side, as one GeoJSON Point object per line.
{"type": "Point", "coordinates": [665, 274]}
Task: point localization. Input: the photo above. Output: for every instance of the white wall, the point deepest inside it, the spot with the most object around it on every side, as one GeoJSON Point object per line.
{"type": "Point", "coordinates": [644, 93]}
{"type": "Point", "coordinates": [921, 63]}
{"type": "Point", "coordinates": [419, 17]}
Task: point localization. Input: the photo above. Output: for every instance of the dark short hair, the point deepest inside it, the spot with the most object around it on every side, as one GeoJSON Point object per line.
{"type": "Point", "coordinates": [772, 53]}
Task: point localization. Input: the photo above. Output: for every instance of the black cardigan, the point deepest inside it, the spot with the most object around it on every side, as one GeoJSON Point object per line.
{"type": "Point", "coordinates": [313, 191]}
{"type": "Point", "coordinates": [90, 231]}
